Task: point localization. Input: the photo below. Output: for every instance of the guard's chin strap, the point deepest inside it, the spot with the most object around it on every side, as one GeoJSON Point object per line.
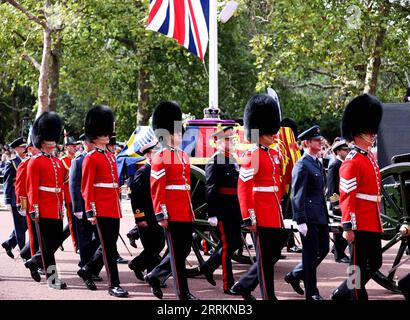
{"type": "Point", "coordinates": [365, 138]}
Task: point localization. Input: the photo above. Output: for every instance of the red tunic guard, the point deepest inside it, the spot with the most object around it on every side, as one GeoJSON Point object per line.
{"type": "Point", "coordinates": [359, 188]}
{"type": "Point", "coordinates": [260, 187]}
{"type": "Point", "coordinates": [21, 196]}
{"type": "Point", "coordinates": [99, 185]}
{"type": "Point", "coordinates": [171, 191]}
{"type": "Point", "coordinates": [45, 182]}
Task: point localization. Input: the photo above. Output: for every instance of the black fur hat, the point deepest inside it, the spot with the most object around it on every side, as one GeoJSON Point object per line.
{"type": "Point", "coordinates": [261, 112]}
{"type": "Point", "coordinates": [99, 121]}
{"type": "Point", "coordinates": [362, 115]}
{"type": "Point", "coordinates": [164, 117]}
{"type": "Point", "coordinates": [47, 127]}
{"type": "Point", "coordinates": [290, 123]}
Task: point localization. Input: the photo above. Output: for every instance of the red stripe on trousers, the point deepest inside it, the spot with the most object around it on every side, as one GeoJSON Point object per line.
{"type": "Point", "coordinates": [30, 233]}
{"type": "Point", "coordinates": [224, 254]}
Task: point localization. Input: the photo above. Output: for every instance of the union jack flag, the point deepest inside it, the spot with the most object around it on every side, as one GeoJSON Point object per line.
{"type": "Point", "coordinates": [186, 21]}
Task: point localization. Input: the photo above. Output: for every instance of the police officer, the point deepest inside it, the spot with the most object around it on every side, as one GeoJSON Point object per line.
{"type": "Point", "coordinates": [340, 149]}
{"type": "Point", "coordinates": [23, 206]}
{"type": "Point", "coordinates": [170, 190]}
{"type": "Point", "coordinates": [17, 237]}
{"type": "Point", "coordinates": [45, 181]}
{"type": "Point", "coordinates": [310, 214]}
{"type": "Point", "coordinates": [101, 192]}
{"type": "Point", "coordinates": [70, 146]}
{"type": "Point", "coordinates": [260, 190]}
{"type": "Point", "coordinates": [88, 240]}
{"type": "Point", "coordinates": [151, 234]}
{"type": "Point", "coordinates": [222, 172]}
{"type": "Point", "coordinates": [360, 184]}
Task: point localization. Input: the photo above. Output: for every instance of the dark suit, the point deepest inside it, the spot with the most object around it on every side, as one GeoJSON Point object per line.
{"type": "Point", "coordinates": [88, 239]}
{"type": "Point", "coordinates": [333, 178]}
{"type": "Point", "coordinates": [221, 186]}
{"type": "Point", "coordinates": [152, 236]}
{"type": "Point", "coordinates": [18, 236]}
{"type": "Point", "coordinates": [309, 206]}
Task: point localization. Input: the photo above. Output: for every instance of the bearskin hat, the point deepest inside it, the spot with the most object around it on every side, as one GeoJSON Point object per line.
{"type": "Point", "coordinates": [290, 123]}
{"type": "Point", "coordinates": [47, 127]}
{"type": "Point", "coordinates": [99, 121]}
{"type": "Point", "coordinates": [165, 115]}
{"type": "Point", "coordinates": [362, 115]}
{"type": "Point", "coordinates": [262, 113]}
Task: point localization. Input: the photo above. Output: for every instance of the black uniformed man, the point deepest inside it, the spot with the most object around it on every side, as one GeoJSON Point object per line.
{"type": "Point", "coordinates": [17, 237]}
{"type": "Point", "coordinates": [222, 172]}
{"type": "Point", "coordinates": [151, 234]}
{"type": "Point", "coordinates": [310, 214]}
{"type": "Point", "coordinates": [340, 149]}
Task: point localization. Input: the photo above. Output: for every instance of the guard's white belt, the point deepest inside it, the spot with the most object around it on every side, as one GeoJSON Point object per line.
{"type": "Point", "coordinates": [266, 189]}
{"type": "Point", "coordinates": [106, 185]}
{"type": "Point", "coordinates": [48, 189]}
{"type": "Point", "coordinates": [368, 197]}
{"type": "Point", "coordinates": [178, 187]}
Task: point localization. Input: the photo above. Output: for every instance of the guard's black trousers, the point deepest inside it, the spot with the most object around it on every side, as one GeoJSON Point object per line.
{"type": "Point", "coordinates": [315, 249]}
{"type": "Point", "coordinates": [179, 239]}
{"type": "Point", "coordinates": [230, 234]}
{"type": "Point", "coordinates": [268, 245]}
{"type": "Point", "coordinates": [50, 233]}
{"type": "Point", "coordinates": [366, 259]}
{"type": "Point", "coordinates": [108, 230]}
{"type": "Point", "coordinates": [153, 241]}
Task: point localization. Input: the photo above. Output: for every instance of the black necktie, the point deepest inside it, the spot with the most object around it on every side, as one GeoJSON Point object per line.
{"type": "Point", "coordinates": [318, 163]}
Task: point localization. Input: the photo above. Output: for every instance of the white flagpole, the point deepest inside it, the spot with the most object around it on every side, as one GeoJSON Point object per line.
{"type": "Point", "coordinates": [213, 55]}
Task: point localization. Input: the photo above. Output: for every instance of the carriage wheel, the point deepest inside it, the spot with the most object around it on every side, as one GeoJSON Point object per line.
{"type": "Point", "coordinates": [395, 218]}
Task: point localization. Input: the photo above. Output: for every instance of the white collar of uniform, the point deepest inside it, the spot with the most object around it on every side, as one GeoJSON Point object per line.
{"type": "Point", "coordinates": [311, 155]}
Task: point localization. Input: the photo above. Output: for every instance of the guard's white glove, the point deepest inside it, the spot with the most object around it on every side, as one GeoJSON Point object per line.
{"type": "Point", "coordinates": [213, 221]}
{"type": "Point", "coordinates": [78, 215]}
{"type": "Point", "coordinates": [22, 212]}
{"type": "Point", "coordinates": [302, 228]}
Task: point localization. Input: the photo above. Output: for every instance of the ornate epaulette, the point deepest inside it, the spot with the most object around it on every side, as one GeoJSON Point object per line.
{"type": "Point", "coordinates": [351, 155]}
{"type": "Point", "coordinates": [37, 155]}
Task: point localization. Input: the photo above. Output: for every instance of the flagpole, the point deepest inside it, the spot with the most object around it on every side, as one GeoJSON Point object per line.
{"type": "Point", "coordinates": [213, 55]}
